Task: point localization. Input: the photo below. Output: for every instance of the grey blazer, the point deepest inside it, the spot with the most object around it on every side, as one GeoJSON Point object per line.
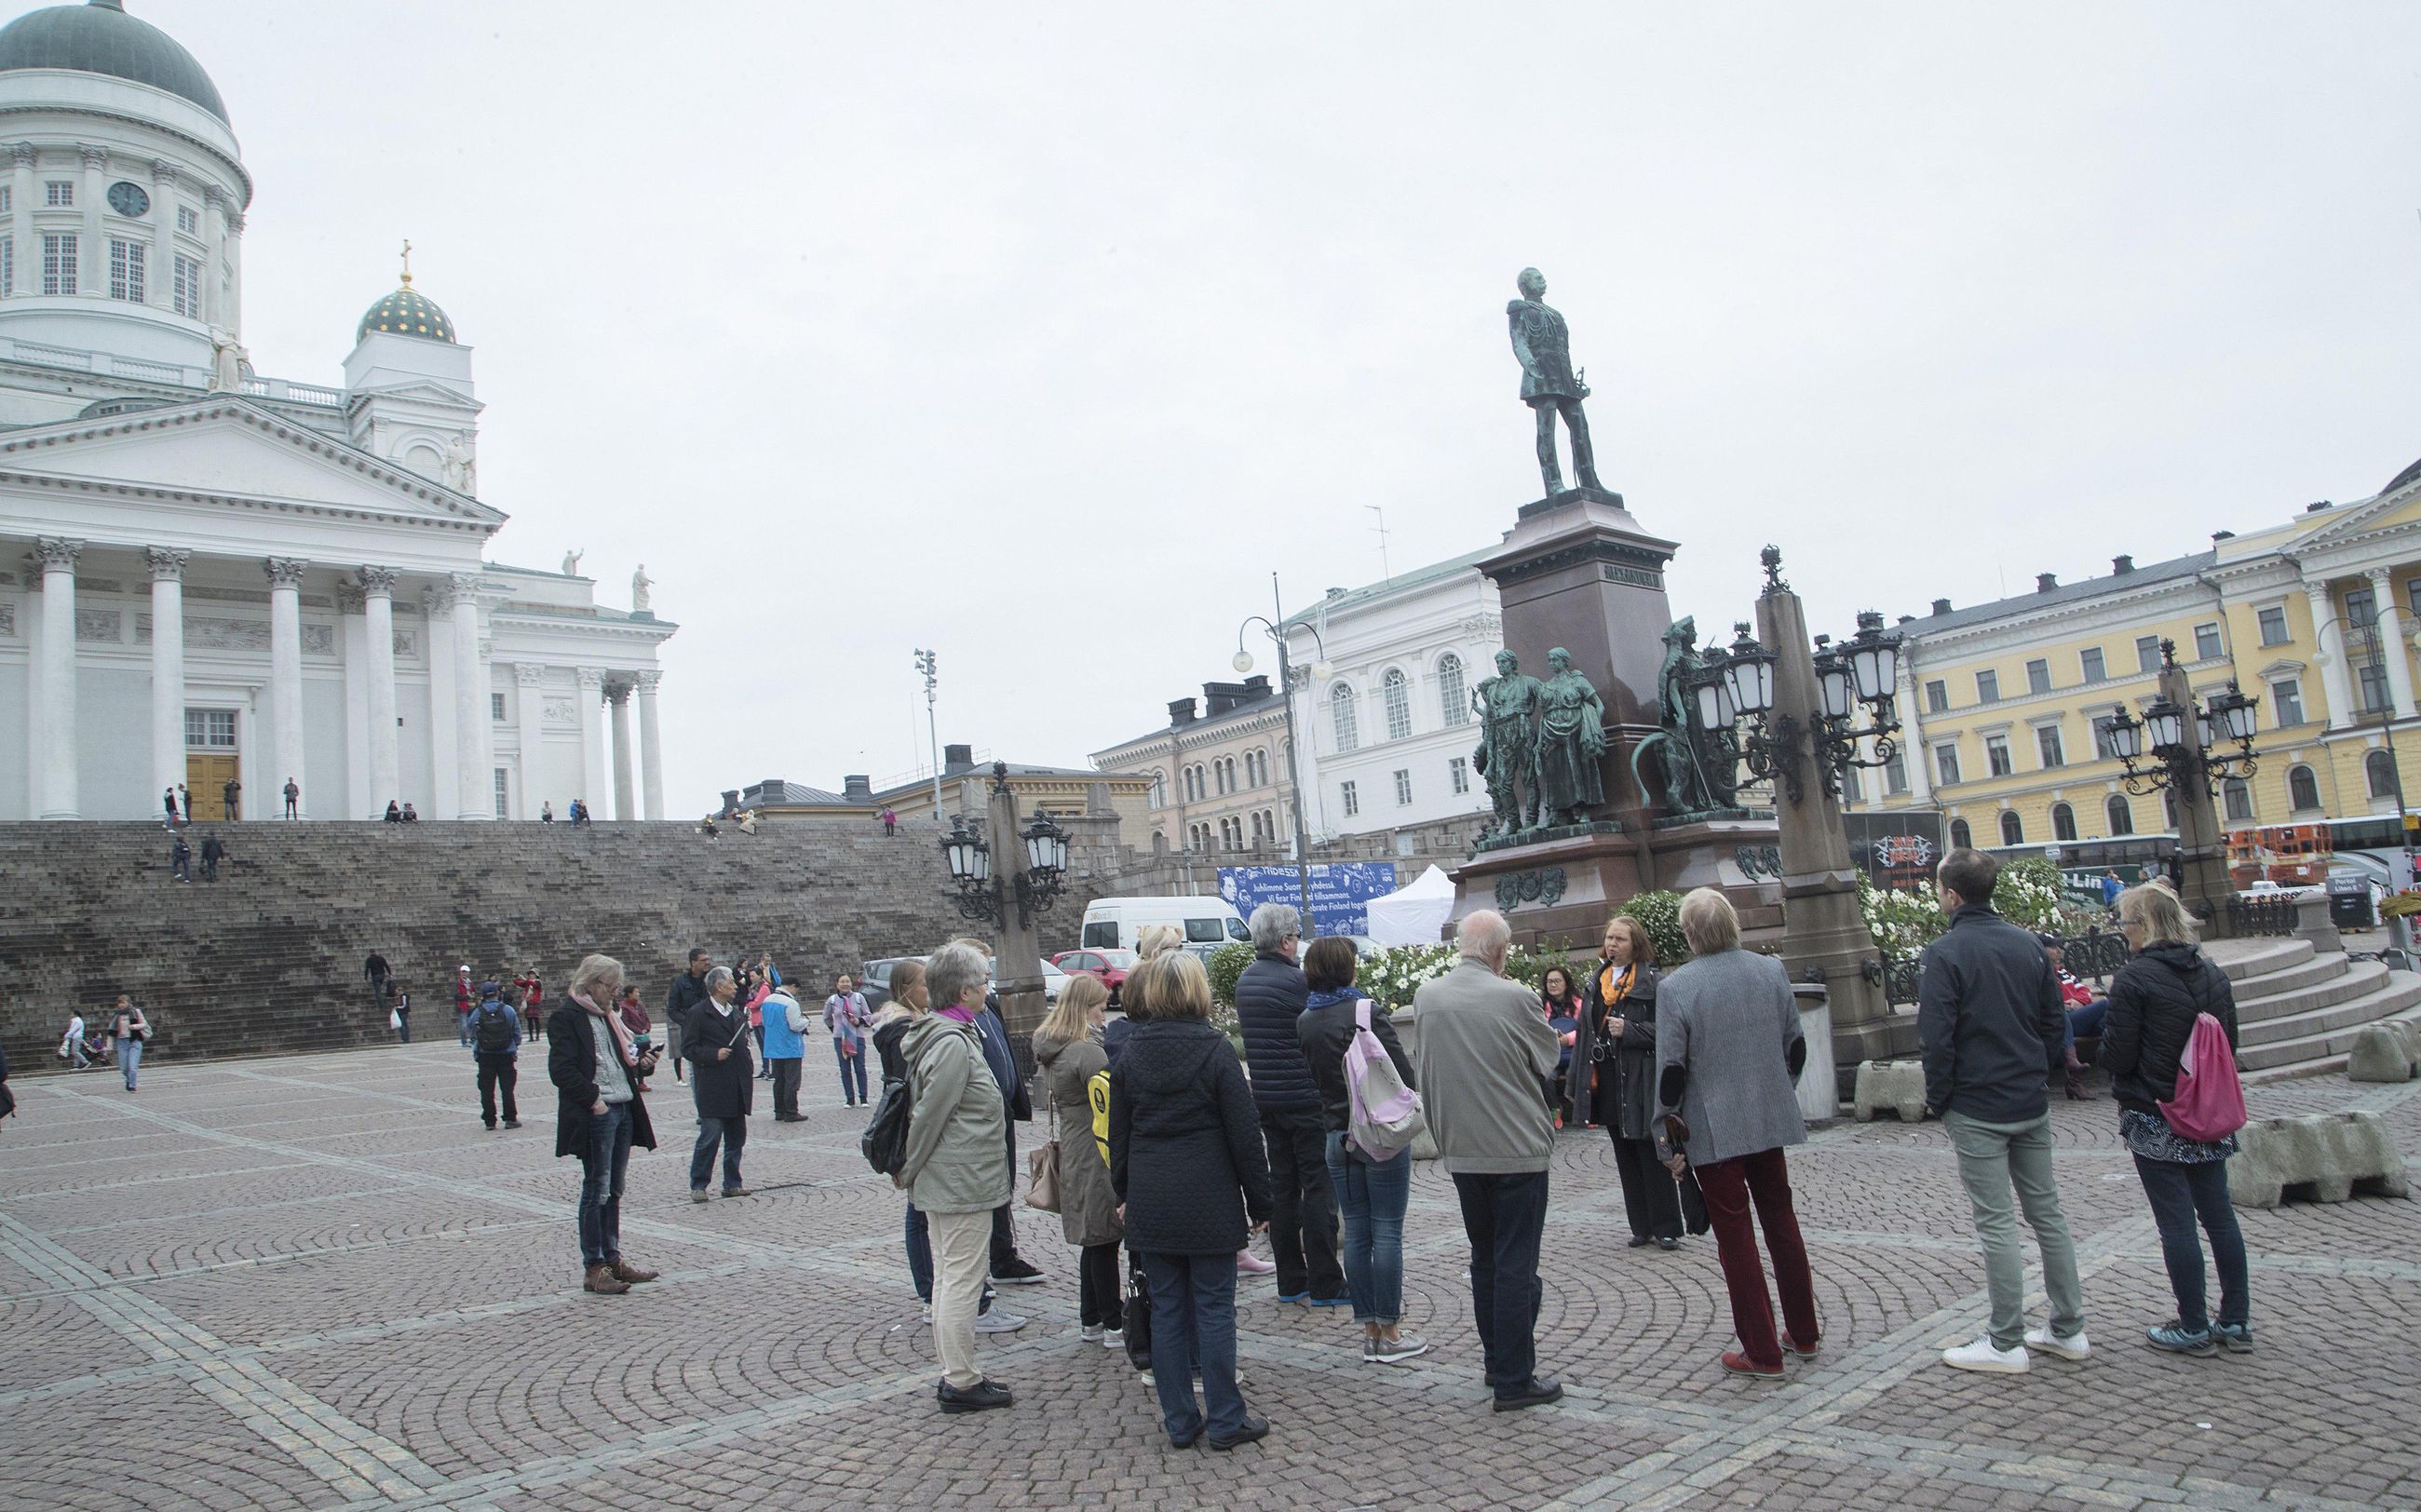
{"type": "Point", "coordinates": [1729, 1019]}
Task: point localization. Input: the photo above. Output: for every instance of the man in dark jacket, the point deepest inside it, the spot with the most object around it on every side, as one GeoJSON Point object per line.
{"type": "Point", "coordinates": [1269, 996]}
{"type": "Point", "coordinates": [181, 859]}
{"type": "Point", "coordinates": [716, 1037]}
{"type": "Point", "coordinates": [495, 1049]}
{"type": "Point", "coordinates": [688, 991]}
{"type": "Point", "coordinates": [213, 851]}
{"type": "Point", "coordinates": [1990, 1020]}
{"type": "Point", "coordinates": [600, 1115]}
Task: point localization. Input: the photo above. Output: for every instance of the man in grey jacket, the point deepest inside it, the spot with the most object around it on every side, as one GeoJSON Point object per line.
{"type": "Point", "coordinates": [1993, 1029]}
{"type": "Point", "coordinates": [1483, 1050]}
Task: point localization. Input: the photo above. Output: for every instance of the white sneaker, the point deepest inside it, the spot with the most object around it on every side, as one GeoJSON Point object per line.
{"type": "Point", "coordinates": [1115, 1338]}
{"type": "Point", "coordinates": [1090, 1332]}
{"type": "Point", "coordinates": [1980, 1355]}
{"type": "Point", "coordinates": [2074, 1346]}
{"type": "Point", "coordinates": [999, 1321]}
{"type": "Point", "coordinates": [927, 1311]}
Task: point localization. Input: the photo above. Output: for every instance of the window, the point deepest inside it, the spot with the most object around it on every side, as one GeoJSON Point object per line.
{"type": "Point", "coordinates": [2374, 686]}
{"type": "Point", "coordinates": [2102, 748]}
{"type": "Point", "coordinates": [1946, 765]}
{"type": "Point", "coordinates": [1340, 714]}
{"type": "Point", "coordinates": [2412, 594]}
{"type": "Point", "coordinates": [2039, 675]}
{"type": "Point", "coordinates": [186, 286]}
{"type": "Point", "coordinates": [58, 192]}
{"type": "Point", "coordinates": [1987, 687]}
{"type": "Point", "coordinates": [1458, 775]}
{"type": "Point", "coordinates": [1996, 756]}
{"type": "Point", "coordinates": [187, 221]}
{"type": "Point", "coordinates": [2088, 663]}
{"type": "Point", "coordinates": [2362, 607]}
{"type": "Point", "coordinates": [496, 707]}
{"type": "Point", "coordinates": [2207, 643]}
{"type": "Point", "coordinates": [2170, 809]}
{"type": "Point", "coordinates": [59, 263]}
{"type": "Point", "coordinates": [1961, 836]}
{"type": "Point", "coordinates": [2237, 794]}
{"type": "Point", "coordinates": [1453, 702]}
{"type": "Point", "coordinates": [2273, 621]}
{"type": "Point", "coordinates": [7, 265]}
{"type": "Point", "coordinates": [2063, 822]}
{"type": "Point", "coordinates": [2148, 653]}
{"type": "Point", "coordinates": [209, 730]}
{"type": "Point", "coordinates": [2302, 789]}
{"type": "Point", "coordinates": [126, 269]}
{"type": "Point", "coordinates": [2048, 747]}
{"type": "Point", "coordinates": [1156, 796]}
{"type": "Point", "coordinates": [2122, 819]}
{"type": "Point", "coordinates": [1353, 801]}
{"type": "Point", "coordinates": [2286, 702]}
{"type": "Point", "coordinates": [2013, 830]}
{"type": "Point", "coordinates": [1403, 786]}
{"type": "Point", "coordinates": [2379, 775]}
{"type": "Point", "coordinates": [504, 793]}
{"type": "Point", "coordinates": [1398, 696]}
{"type": "Point", "coordinates": [1895, 776]}
{"type": "Point", "coordinates": [1937, 697]}
{"type": "Point", "coordinates": [1219, 775]}
{"type": "Point", "coordinates": [8, 200]}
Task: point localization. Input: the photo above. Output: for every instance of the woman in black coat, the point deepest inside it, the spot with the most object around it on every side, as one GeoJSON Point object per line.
{"type": "Point", "coordinates": [1187, 1162]}
{"type": "Point", "coordinates": [721, 1079]}
{"type": "Point", "coordinates": [1618, 1005]}
{"type": "Point", "coordinates": [2154, 1001]}
{"type": "Point", "coordinates": [600, 1114]}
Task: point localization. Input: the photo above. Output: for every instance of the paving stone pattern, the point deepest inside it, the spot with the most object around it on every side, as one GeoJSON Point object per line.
{"type": "Point", "coordinates": [315, 1282]}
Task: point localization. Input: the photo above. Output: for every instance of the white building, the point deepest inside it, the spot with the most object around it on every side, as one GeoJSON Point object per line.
{"type": "Point", "coordinates": [207, 574]}
{"type": "Point", "coordinates": [1387, 729]}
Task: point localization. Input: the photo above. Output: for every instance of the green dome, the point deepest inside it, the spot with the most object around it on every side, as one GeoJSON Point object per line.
{"type": "Point", "coordinates": [407, 313]}
{"type": "Point", "coordinates": [100, 37]}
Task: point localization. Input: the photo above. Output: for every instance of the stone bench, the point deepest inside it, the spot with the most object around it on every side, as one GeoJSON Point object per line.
{"type": "Point", "coordinates": [1897, 1086]}
{"type": "Point", "coordinates": [2386, 1052]}
{"type": "Point", "coordinates": [2323, 1157]}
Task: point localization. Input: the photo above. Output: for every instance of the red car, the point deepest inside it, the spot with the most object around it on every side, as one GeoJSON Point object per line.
{"type": "Point", "coordinates": [1111, 966]}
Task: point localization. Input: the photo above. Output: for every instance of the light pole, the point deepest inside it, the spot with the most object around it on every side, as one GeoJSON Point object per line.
{"type": "Point", "coordinates": [1243, 663]}
{"type": "Point", "coordinates": [2184, 739]}
{"type": "Point", "coordinates": [932, 729]}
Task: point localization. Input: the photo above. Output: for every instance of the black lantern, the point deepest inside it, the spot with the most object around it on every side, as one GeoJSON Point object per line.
{"type": "Point", "coordinates": [969, 857]}
{"type": "Point", "coordinates": [2232, 714]}
{"type": "Point", "coordinates": [1046, 846]}
{"type": "Point", "coordinates": [2126, 736]}
{"type": "Point", "coordinates": [1874, 658]}
{"type": "Point", "coordinates": [2164, 726]}
{"type": "Point", "coordinates": [1836, 689]}
{"type": "Point", "coordinates": [1748, 674]}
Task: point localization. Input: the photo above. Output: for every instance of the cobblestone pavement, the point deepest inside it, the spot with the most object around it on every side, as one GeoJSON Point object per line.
{"type": "Point", "coordinates": [316, 1282]}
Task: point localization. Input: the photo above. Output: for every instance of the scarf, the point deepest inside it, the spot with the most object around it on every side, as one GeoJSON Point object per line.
{"type": "Point", "coordinates": [1612, 987]}
{"type": "Point", "coordinates": [614, 1025]}
{"type": "Point", "coordinates": [1329, 1000]}
{"type": "Point", "coordinates": [962, 1014]}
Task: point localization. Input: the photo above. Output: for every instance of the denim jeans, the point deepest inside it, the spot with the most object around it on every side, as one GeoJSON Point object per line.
{"type": "Point", "coordinates": [1505, 1216]}
{"type": "Point", "coordinates": [850, 1066]}
{"type": "Point", "coordinates": [602, 1167]}
{"type": "Point", "coordinates": [730, 1133]}
{"type": "Point", "coordinates": [2085, 1022]}
{"type": "Point", "coordinates": [1194, 1322]}
{"type": "Point", "coordinates": [1371, 1197]}
{"type": "Point", "coordinates": [130, 1059]}
{"type": "Point", "coordinates": [2178, 1193]}
{"type": "Point", "coordinates": [1993, 1158]}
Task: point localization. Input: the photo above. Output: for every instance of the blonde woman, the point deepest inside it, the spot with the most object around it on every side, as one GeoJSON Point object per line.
{"type": "Point", "coordinates": [1067, 1051]}
{"type": "Point", "coordinates": [600, 1112]}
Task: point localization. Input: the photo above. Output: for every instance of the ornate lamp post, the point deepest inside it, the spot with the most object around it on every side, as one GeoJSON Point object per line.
{"type": "Point", "coordinates": [983, 896]}
{"type": "Point", "coordinates": [1319, 668]}
{"type": "Point", "coordinates": [2184, 745]}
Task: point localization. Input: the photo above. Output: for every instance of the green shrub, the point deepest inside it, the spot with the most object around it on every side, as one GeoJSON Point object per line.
{"type": "Point", "coordinates": [1660, 914]}
{"type": "Point", "coordinates": [1224, 966]}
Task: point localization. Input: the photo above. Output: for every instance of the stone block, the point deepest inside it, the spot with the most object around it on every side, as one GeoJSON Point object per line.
{"type": "Point", "coordinates": [1897, 1086]}
{"type": "Point", "coordinates": [2326, 1157]}
{"type": "Point", "coordinates": [2312, 923]}
{"type": "Point", "coordinates": [2389, 1052]}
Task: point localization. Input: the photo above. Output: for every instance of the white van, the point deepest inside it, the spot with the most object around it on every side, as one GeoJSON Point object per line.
{"type": "Point", "coordinates": [1117, 923]}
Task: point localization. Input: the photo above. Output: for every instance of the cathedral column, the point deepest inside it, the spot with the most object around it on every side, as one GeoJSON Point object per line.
{"type": "Point", "coordinates": [592, 738]}
{"type": "Point", "coordinates": [215, 212]}
{"type": "Point", "coordinates": [617, 693]}
{"type": "Point", "coordinates": [161, 292]}
{"type": "Point", "coordinates": [378, 626]}
{"type": "Point", "coordinates": [167, 666]}
{"type": "Point", "coordinates": [474, 746]}
{"type": "Point", "coordinates": [26, 248]}
{"type": "Point", "coordinates": [444, 755]}
{"type": "Point", "coordinates": [92, 272]}
{"type": "Point", "coordinates": [55, 677]}
{"type": "Point", "coordinates": [2391, 641]}
{"type": "Point", "coordinates": [651, 769]}
{"type": "Point", "coordinates": [2335, 677]}
{"type": "Point", "coordinates": [529, 715]}
{"type": "Point", "coordinates": [285, 686]}
{"type": "Point", "coordinates": [1911, 740]}
{"type": "Point", "coordinates": [352, 644]}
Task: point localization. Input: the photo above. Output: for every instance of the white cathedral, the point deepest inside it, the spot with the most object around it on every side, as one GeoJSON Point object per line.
{"type": "Point", "coordinates": [207, 575]}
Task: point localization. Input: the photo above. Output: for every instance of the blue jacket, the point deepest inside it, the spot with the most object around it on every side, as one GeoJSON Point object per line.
{"type": "Point", "coordinates": [782, 1042]}
{"type": "Point", "coordinates": [511, 1017]}
{"type": "Point", "coordinates": [1270, 997]}
{"type": "Point", "coordinates": [1003, 1061]}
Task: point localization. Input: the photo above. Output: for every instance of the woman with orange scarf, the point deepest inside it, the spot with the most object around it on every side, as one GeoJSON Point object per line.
{"type": "Point", "coordinates": [1619, 1002]}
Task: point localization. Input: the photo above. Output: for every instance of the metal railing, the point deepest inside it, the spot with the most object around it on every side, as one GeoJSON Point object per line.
{"type": "Point", "coordinates": [2270, 914]}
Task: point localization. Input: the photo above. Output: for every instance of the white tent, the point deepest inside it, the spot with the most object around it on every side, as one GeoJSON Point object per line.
{"type": "Point", "coordinates": [1414, 915]}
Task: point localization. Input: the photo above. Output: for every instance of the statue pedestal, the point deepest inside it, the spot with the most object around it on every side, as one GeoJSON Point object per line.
{"type": "Point", "coordinates": [1556, 891]}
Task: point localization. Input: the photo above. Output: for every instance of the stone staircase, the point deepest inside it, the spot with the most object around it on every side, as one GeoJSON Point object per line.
{"type": "Point", "coordinates": [269, 960]}
{"type": "Point", "coordinates": [2296, 1012]}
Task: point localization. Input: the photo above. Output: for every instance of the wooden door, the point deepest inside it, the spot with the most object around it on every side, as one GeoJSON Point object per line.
{"type": "Point", "coordinates": [206, 780]}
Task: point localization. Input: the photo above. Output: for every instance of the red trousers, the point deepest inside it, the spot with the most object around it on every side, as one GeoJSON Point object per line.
{"type": "Point", "coordinates": [1729, 1186]}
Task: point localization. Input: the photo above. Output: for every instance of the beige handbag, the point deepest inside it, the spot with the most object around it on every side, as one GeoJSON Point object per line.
{"type": "Point", "coordinates": [1043, 1169]}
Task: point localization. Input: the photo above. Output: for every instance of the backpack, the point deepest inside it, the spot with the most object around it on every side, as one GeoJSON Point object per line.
{"type": "Point", "coordinates": [1384, 1115]}
{"type": "Point", "coordinates": [884, 1144]}
{"type": "Point", "coordinates": [491, 1030]}
{"type": "Point", "coordinates": [2209, 1104]}
{"type": "Point", "coordinates": [1097, 1092]}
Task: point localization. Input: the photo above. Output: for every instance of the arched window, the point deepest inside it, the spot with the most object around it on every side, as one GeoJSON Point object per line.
{"type": "Point", "coordinates": [2379, 772]}
{"type": "Point", "coordinates": [2238, 795]}
{"type": "Point", "coordinates": [2013, 830]}
{"type": "Point", "coordinates": [2063, 822]}
{"type": "Point", "coordinates": [1453, 701]}
{"type": "Point", "coordinates": [2122, 819]}
{"type": "Point", "coordinates": [1960, 837]}
{"type": "Point", "coordinates": [2302, 788]}
{"type": "Point", "coordinates": [1159, 794]}
{"type": "Point", "coordinates": [1341, 713]}
{"type": "Point", "coordinates": [1397, 696]}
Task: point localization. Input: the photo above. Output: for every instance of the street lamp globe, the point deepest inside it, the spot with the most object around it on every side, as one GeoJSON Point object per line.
{"type": "Point", "coordinates": [1833, 683]}
{"type": "Point", "coordinates": [1046, 846]}
{"type": "Point", "coordinates": [1713, 716]}
{"type": "Point", "coordinates": [1874, 658]}
{"type": "Point", "coordinates": [2164, 726]}
{"type": "Point", "coordinates": [2232, 713]}
{"type": "Point", "coordinates": [2126, 736]}
{"type": "Point", "coordinates": [1748, 674]}
{"type": "Point", "coordinates": [1243, 662]}
{"type": "Point", "coordinates": [965, 851]}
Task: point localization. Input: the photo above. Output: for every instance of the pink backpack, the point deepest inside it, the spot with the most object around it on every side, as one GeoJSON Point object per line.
{"type": "Point", "coordinates": [2210, 1101]}
{"type": "Point", "coordinates": [1384, 1115]}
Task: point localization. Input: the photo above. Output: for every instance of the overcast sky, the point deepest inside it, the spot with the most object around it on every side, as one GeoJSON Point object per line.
{"type": "Point", "coordinates": [1042, 335]}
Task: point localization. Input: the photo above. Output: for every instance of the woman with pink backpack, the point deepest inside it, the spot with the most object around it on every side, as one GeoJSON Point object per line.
{"type": "Point", "coordinates": [2169, 1044]}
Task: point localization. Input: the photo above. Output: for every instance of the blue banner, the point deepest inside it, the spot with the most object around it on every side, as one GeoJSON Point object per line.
{"type": "Point", "coordinates": [1341, 890]}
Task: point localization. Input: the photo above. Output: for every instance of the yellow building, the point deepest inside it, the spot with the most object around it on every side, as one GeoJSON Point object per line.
{"type": "Point", "coordinates": [2006, 706]}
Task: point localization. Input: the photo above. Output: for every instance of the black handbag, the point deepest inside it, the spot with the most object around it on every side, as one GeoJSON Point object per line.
{"type": "Point", "coordinates": [1138, 1332]}
{"type": "Point", "coordinates": [1693, 1205]}
{"type": "Point", "coordinates": [884, 1144]}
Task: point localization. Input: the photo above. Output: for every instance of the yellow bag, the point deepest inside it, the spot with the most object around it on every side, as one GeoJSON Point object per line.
{"type": "Point", "coordinates": [1097, 1089]}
